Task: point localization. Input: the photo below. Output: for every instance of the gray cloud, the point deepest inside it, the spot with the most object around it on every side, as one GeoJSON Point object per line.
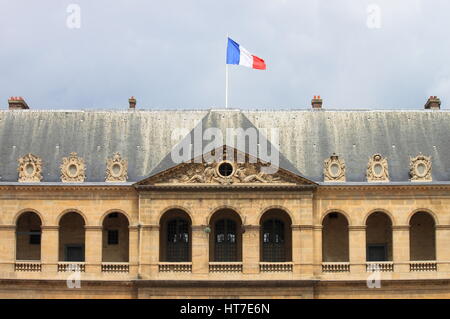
{"type": "Point", "coordinates": [171, 54]}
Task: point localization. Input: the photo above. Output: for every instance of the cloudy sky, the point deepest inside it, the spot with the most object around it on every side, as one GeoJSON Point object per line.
{"type": "Point", "coordinates": [171, 54]}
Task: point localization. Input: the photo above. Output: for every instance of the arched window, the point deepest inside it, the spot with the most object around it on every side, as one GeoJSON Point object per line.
{"type": "Point", "coordinates": [276, 243]}
{"type": "Point", "coordinates": [178, 240]}
{"type": "Point", "coordinates": [175, 236]}
{"type": "Point", "coordinates": [335, 242]}
{"type": "Point", "coordinates": [115, 238]}
{"type": "Point", "coordinates": [422, 237]}
{"type": "Point", "coordinates": [226, 237]}
{"type": "Point", "coordinates": [273, 240]}
{"type": "Point", "coordinates": [379, 237]}
{"type": "Point", "coordinates": [28, 237]}
{"type": "Point", "coordinates": [71, 237]}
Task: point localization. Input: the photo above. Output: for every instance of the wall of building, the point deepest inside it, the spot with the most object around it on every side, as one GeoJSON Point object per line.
{"type": "Point", "coordinates": [413, 238]}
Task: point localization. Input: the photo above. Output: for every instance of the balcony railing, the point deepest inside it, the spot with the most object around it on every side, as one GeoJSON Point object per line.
{"type": "Point", "coordinates": [381, 266]}
{"type": "Point", "coordinates": [275, 266]}
{"type": "Point", "coordinates": [336, 267]}
{"type": "Point", "coordinates": [116, 267]}
{"type": "Point", "coordinates": [225, 267]}
{"type": "Point", "coordinates": [27, 266]}
{"type": "Point", "coordinates": [175, 267]}
{"type": "Point", "coordinates": [71, 266]}
{"type": "Point", "coordinates": [423, 266]}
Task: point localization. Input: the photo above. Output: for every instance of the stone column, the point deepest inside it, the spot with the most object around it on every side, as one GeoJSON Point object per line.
{"type": "Point", "coordinates": [200, 250]}
{"type": "Point", "coordinates": [443, 247]}
{"type": "Point", "coordinates": [250, 249]}
{"type": "Point", "coordinates": [357, 252]}
{"type": "Point", "coordinates": [296, 248]}
{"type": "Point", "coordinates": [305, 237]}
{"type": "Point", "coordinates": [7, 247]}
{"type": "Point", "coordinates": [133, 246]}
{"type": "Point", "coordinates": [93, 248]}
{"type": "Point", "coordinates": [49, 248]}
{"type": "Point", "coordinates": [400, 248]}
{"type": "Point", "coordinates": [149, 251]}
{"type": "Point", "coordinates": [318, 249]}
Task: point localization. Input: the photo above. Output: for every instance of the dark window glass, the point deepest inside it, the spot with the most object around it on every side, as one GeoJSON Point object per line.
{"type": "Point", "coordinates": [178, 240]}
{"type": "Point", "coordinates": [113, 215]}
{"type": "Point", "coordinates": [274, 249]}
{"type": "Point", "coordinates": [35, 237]}
{"type": "Point", "coordinates": [225, 240]}
{"type": "Point", "coordinates": [113, 237]}
{"type": "Point", "coordinates": [225, 169]}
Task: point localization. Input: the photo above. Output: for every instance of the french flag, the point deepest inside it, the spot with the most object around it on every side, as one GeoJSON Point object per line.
{"type": "Point", "coordinates": [236, 54]}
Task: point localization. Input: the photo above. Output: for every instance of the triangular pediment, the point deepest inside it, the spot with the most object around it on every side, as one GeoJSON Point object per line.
{"type": "Point", "coordinates": [228, 167]}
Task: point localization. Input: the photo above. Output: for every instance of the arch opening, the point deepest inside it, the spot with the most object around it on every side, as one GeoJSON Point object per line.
{"type": "Point", "coordinates": [225, 241]}
{"type": "Point", "coordinates": [71, 238]}
{"type": "Point", "coordinates": [115, 238]}
{"type": "Point", "coordinates": [175, 236]}
{"type": "Point", "coordinates": [275, 236]}
{"type": "Point", "coordinates": [28, 236]}
{"type": "Point", "coordinates": [378, 237]}
{"type": "Point", "coordinates": [422, 237]}
{"type": "Point", "coordinates": [335, 238]}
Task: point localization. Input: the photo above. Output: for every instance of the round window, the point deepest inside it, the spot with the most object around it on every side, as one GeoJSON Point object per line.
{"type": "Point", "coordinates": [377, 169]}
{"type": "Point", "coordinates": [29, 169]}
{"type": "Point", "coordinates": [72, 170]}
{"type": "Point", "coordinates": [335, 170]}
{"type": "Point", "coordinates": [226, 169]}
{"type": "Point", "coordinates": [421, 169]}
{"type": "Point", "coordinates": [116, 169]}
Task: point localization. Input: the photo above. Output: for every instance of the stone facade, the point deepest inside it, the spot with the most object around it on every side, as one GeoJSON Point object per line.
{"type": "Point", "coordinates": [213, 230]}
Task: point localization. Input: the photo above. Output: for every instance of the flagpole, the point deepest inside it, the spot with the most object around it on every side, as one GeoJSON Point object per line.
{"type": "Point", "coordinates": [226, 85]}
{"type": "Point", "coordinates": [226, 80]}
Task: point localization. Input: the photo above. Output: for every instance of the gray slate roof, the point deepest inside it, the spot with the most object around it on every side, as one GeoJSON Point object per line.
{"type": "Point", "coordinates": [307, 137]}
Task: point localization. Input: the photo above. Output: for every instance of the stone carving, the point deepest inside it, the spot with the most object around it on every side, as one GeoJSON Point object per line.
{"type": "Point", "coordinates": [334, 169]}
{"type": "Point", "coordinates": [420, 168]}
{"type": "Point", "coordinates": [30, 168]}
{"type": "Point", "coordinates": [205, 173]}
{"type": "Point", "coordinates": [73, 169]}
{"type": "Point", "coordinates": [116, 169]}
{"type": "Point", "coordinates": [377, 169]}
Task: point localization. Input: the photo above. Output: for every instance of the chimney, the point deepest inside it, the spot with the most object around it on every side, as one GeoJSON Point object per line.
{"type": "Point", "coordinates": [17, 103]}
{"type": "Point", "coordinates": [316, 102]}
{"type": "Point", "coordinates": [132, 101]}
{"type": "Point", "coordinates": [433, 103]}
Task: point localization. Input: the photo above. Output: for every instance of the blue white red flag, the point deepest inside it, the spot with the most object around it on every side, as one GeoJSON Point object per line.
{"type": "Point", "coordinates": [236, 54]}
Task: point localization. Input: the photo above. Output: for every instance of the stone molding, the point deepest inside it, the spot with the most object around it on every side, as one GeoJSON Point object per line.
{"type": "Point", "coordinates": [116, 169]}
{"type": "Point", "coordinates": [377, 169]}
{"type": "Point", "coordinates": [420, 168]}
{"type": "Point", "coordinates": [73, 169]}
{"type": "Point", "coordinates": [30, 168]}
{"type": "Point", "coordinates": [334, 169]}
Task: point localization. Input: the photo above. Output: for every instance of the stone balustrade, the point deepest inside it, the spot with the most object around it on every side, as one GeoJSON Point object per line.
{"type": "Point", "coordinates": [334, 267]}
{"type": "Point", "coordinates": [381, 266]}
{"type": "Point", "coordinates": [28, 266]}
{"type": "Point", "coordinates": [423, 266]}
{"type": "Point", "coordinates": [225, 267]}
{"type": "Point", "coordinates": [175, 267]}
{"type": "Point", "coordinates": [116, 267]}
{"type": "Point", "coordinates": [71, 266]}
{"type": "Point", "coordinates": [276, 266]}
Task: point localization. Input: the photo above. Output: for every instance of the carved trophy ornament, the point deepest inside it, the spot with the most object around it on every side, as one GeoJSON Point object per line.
{"type": "Point", "coordinates": [224, 173]}
{"type": "Point", "coordinates": [420, 168]}
{"type": "Point", "coordinates": [73, 169]}
{"type": "Point", "coordinates": [334, 169]}
{"type": "Point", "coordinates": [30, 168]}
{"type": "Point", "coordinates": [116, 169]}
{"type": "Point", "coordinates": [377, 169]}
